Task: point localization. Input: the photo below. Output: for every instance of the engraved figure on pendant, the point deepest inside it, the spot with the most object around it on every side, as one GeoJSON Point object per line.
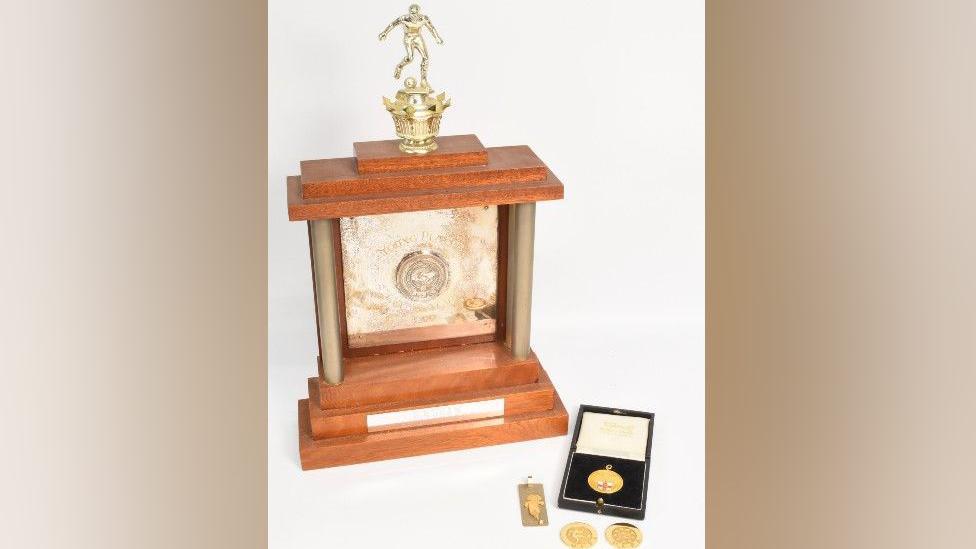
{"type": "Point", "coordinates": [533, 504]}
{"type": "Point", "coordinates": [413, 41]}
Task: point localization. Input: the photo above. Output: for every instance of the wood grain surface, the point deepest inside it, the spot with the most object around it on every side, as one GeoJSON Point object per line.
{"type": "Point", "coordinates": [424, 374]}
{"type": "Point", "coordinates": [346, 450]}
{"type": "Point", "coordinates": [300, 209]}
{"type": "Point", "coordinates": [336, 177]}
{"type": "Point", "coordinates": [519, 399]}
{"type": "Point", "coordinates": [386, 156]}
{"type": "Point", "coordinates": [381, 179]}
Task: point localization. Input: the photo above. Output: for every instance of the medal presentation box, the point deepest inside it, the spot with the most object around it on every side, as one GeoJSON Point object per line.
{"type": "Point", "coordinates": [422, 276]}
{"type": "Point", "coordinates": [609, 462]}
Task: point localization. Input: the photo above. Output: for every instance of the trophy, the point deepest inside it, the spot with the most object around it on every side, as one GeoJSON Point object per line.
{"type": "Point", "coordinates": [421, 252]}
{"type": "Point", "coordinates": [416, 110]}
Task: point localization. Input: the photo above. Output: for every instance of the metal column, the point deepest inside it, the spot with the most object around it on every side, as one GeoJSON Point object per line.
{"type": "Point", "coordinates": [326, 298]}
{"type": "Point", "coordinates": [521, 239]}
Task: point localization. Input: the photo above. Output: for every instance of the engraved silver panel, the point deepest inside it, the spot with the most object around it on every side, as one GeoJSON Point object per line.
{"type": "Point", "coordinates": [420, 276]}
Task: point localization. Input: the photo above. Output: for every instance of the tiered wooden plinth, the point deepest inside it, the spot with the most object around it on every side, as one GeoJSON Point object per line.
{"type": "Point", "coordinates": [398, 404]}
{"type": "Point", "coordinates": [458, 174]}
{"type": "Point", "coordinates": [333, 420]}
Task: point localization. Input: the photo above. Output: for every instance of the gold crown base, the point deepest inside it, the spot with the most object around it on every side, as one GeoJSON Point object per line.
{"type": "Point", "coordinates": [423, 146]}
{"type": "Point", "coordinates": [418, 135]}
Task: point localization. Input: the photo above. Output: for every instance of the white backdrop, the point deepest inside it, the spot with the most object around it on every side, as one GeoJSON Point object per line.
{"type": "Point", "coordinates": [611, 96]}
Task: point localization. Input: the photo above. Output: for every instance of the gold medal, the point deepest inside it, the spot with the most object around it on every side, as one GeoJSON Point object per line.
{"type": "Point", "coordinates": [606, 480]}
{"type": "Point", "coordinates": [578, 535]}
{"type": "Point", "coordinates": [623, 536]}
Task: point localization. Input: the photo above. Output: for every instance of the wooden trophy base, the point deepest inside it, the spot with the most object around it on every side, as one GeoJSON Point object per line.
{"type": "Point", "coordinates": [423, 402]}
{"type": "Point", "coordinates": [395, 400]}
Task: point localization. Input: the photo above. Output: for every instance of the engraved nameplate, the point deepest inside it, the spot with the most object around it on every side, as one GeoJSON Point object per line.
{"type": "Point", "coordinates": [436, 414]}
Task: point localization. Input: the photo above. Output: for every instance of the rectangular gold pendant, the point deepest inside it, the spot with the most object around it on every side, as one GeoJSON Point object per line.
{"type": "Point", "coordinates": [532, 501]}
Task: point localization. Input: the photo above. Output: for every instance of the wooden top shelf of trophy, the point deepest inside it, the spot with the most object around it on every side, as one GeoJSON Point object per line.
{"type": "Point", "coordinates": [381, 179]}
{"type": "Point", "coordinates": [452, 151]}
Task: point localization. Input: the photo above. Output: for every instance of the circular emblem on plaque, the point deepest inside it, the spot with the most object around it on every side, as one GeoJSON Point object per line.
{"type": "Point", "coordinates": [606, 480]}
{"type": "Point", "coordinates": [623, 535]}
{"type": "Point", "coordinates": [422, 275]}
{"type": "Point", "coordinates": [578, 535]}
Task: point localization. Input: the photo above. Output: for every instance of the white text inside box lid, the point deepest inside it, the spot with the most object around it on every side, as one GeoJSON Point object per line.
{"type": "Point", "coordinates": [610, 435]}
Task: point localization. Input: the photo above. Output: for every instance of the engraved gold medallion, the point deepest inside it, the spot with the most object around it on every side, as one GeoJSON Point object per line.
{"type": "Point", "coordinates": [623, 536]}
{"type": "Point", "coordinates": [606, 480]}
{"type": "Point", "coordinates": [578, 535]}
{"type": "Point", "coordinates": [533, 504]}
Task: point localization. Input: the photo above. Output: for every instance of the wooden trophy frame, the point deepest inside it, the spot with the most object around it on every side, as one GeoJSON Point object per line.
{"type": "Point", "coordinates": [434, 395]}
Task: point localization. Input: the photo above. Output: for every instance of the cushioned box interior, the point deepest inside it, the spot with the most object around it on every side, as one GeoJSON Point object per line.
{"type": "Point", "coordinates": [577, 487]}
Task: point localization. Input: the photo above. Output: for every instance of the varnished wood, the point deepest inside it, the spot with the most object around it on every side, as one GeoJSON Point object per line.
{"type": "Point", "coordinates": [427, 374]}
{"type": "Point", "coordinates": [315, 296]}
{"type": "Point", "coordinates": [341, 288]}
{"type": "Point", "coordinates": [346, 450]}
{"type": "Point", "coordinates": [383, 180]}
{"type": "Point", "coordinates": [337, 177]}
{"type": "Point", "coordinates": [386, 156]}
{"type": "Point", "coordinates": [520, 399]}
{"type": "Point", "coordinates": [501, 292]}
{"type": "Point", "coordinates": [415, 200]}
{"type": "Point", "coordinates": [409, 336]}
{"type": "Point", "coordinates": [422, 345]}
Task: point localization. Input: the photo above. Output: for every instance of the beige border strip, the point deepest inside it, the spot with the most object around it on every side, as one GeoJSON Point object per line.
{"type": "Point", "coordinates": [841, 260]}
{"type": "Point", "coordinates": [133, 224]}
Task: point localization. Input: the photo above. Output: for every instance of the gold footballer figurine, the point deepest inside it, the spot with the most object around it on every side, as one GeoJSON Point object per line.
{"type": "Point", "coordinates": [416, 110]}
{"type": "Point", "coordinates": [413, 41]}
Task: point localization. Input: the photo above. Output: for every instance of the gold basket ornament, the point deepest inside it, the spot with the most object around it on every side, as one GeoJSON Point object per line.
{"type": "Point", "coordinates": [416, 115]}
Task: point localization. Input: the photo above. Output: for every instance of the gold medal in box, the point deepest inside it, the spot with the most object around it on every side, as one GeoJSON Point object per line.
{"type": "Point", "coordinates": [608, 465]}
{"type": "Point", "coordinates": [605, 480]}
{"type": "Point", "coordinates": [422, 257]}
